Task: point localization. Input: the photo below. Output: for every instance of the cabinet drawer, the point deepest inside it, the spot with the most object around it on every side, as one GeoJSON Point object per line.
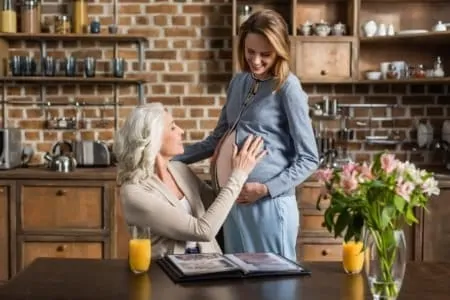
{"type": "Point", "coordinates": [324, 60]}
{"type": "Point", "coordinates": [61, 207]}
{"type": "Point", "coordinates": [320, 252]}
{"type": "Point", "coordinates": [32, 250]}
{"type": "Point", "coordinates": [312, 223]}
{"type": "Point", "coordinates": [308, 194]}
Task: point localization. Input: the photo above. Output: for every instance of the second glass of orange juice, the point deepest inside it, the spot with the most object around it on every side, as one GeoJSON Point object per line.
{"type": "Point", "coordinates": [352, 257]}
{"type": "Point", "coordinates": [139, 249]}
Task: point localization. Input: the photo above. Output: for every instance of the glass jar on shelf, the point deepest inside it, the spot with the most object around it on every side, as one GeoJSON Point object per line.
{"type": "Point", "coordinates": [419, 72]}
{"type": "Point", "coordinates": [8, 17]}
{"type": "Point", "coordinates": [30, 20]}
{"type": "Point", "coordinates": [62, 24]}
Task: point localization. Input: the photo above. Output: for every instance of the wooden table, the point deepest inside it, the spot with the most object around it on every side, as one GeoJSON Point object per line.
{"type": "Point", "coordinates": [86, 279]}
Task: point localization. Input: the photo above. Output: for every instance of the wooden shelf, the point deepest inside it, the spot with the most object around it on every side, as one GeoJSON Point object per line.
{"type": "Point", "coordinates": [330, 38]}
{"type": "Point", "coordinates": [419, 38]}
{"type": "Point", "coordinates": [74, 80]}
{"type": "Point", "coordinates": [387, 81]}
{"type": "Point", "coordinates": [102, 37]}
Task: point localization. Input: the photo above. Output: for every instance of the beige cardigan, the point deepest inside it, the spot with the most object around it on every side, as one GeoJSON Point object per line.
{"type": "Point", "coordinates": [151, 203]}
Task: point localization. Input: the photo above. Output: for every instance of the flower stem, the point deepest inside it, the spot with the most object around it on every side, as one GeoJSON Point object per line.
{"type": "Point", "coordinates": [386, 287]}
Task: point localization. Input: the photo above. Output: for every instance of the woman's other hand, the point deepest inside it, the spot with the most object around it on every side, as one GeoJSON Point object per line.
{"type": "Point", "coordinates": [251, 192]}
{"type": "Point", "coordinates": [249, 155]}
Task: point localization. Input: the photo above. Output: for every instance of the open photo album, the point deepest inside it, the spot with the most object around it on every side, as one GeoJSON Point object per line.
{"type": "Point", "coordinates": [203, 266]}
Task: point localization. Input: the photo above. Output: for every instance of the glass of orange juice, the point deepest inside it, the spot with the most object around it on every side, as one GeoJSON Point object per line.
{"type": "Point", "coordinates": [352, 256]}
{"type": "Point", "coordinates": [139, 249]}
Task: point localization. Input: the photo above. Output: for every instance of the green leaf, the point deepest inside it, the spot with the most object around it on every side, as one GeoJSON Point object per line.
{"type": "Point", "coordinates": [342, 221]}
{"type": "Point", "coordinates": [410, 217]}
{"type": "Point", "coordinates": [387, 215]}
{"type": "Point", "coordinates": [399, 203]}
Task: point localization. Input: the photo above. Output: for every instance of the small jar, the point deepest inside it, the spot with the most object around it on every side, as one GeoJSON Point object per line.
{"type": "Point", "coordinates": [392, 72]}
{"type": "Point", "coordinates": [62, 24]}
{"type": "Point", "coordinates": [419, 72]}
{"type": "Point", "coordinates": [30, 20]}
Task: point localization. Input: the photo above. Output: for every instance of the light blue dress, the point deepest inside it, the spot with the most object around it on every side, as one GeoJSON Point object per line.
{"type": "Point", "coordinates": [281, 118]}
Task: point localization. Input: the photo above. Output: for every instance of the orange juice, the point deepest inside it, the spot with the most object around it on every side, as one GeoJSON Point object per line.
{"type": "Point", "coordinates": [353, 257]}
{"type": "Point", "coordinates": [139, 251]}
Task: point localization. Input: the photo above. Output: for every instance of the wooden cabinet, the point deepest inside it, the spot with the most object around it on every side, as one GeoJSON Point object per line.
{"type": "Point", "coordinates": [6, 194]}
{"type": "Point", "coordinates": [67, 219]}
{"type": "Point", "coordinates": [347, 58]}
{"type": "Point", "coordinates": [314, 243]}
{"type": "Point", "coordinates": [436, 228]}
{"type": "Point", "coordinates": [326, 61]}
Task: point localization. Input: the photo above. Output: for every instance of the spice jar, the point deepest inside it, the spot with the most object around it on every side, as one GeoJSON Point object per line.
{"type": "Point", "coordinates": [419, 72]}
{"type": "Point", "coordinates": [30, 20]}
{"type": "Point", "coordinates": [62, 24]}
{"type": "Point", "coordinates": [392, 72]}
{"type": "Point", "coordinates": [8, 17]}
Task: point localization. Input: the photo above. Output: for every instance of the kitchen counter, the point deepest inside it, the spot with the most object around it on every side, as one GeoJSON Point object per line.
{"type": "Point", "coordinates": [109, 173]}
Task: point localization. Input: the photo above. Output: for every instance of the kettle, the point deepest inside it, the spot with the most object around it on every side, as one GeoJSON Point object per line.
{"type": "Point", "coordinates": [61, 163]}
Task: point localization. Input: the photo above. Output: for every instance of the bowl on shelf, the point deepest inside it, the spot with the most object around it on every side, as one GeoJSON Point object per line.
{"type": "Point", "coordinates": [373, 75]}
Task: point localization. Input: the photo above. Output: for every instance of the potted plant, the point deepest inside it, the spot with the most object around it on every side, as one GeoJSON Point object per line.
{"type": "Point", "coordinates": [372, 203]}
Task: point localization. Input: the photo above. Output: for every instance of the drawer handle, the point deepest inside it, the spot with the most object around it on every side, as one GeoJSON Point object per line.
{"type": "Point", "coordinates": [61, 192]}
{"type": "Point", "coordinates": [325, 252]}
{"type": "Point", "coordinates": [61, 248]}
{"type": "Point", "coordinates": [2, 190]}
{"type": "Point", "coordinates": [323, 72]}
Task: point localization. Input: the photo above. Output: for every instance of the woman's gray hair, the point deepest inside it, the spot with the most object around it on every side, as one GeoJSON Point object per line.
{"type": "Point", "coordinates": [138, 142]}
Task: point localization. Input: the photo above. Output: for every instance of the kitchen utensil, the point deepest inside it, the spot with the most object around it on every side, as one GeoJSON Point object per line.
{"type": "Point", "coordinates": [61, 163]}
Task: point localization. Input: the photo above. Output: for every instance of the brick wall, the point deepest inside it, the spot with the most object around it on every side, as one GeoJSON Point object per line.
{"type": "Point", "coordinates": [188, 66]}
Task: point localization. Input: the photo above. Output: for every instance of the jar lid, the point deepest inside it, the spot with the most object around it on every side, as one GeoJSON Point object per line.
{"type": "Point", "coordinates": [30, 3]}
{"type": "Point", "coordinates": [62, 18]}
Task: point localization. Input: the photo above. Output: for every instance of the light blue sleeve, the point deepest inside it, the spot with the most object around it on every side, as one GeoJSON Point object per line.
{"type": "Point", "coordinates": [205, 149]}
{"type": "Point", "coordinates": [295, 104]}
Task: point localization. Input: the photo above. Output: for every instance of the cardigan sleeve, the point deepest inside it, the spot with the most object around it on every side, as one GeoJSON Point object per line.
{"type": "Point", "coordinates": [295, 104]}
{"type": "Point", "coordinates": [145, 207]}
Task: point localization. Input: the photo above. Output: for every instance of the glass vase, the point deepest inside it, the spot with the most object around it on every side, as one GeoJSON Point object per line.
{"type": "Point", "coordinates": [385, 263]}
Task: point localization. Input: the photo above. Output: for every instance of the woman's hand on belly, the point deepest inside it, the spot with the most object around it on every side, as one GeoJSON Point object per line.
{"type": "Point", "coordinates": [251, 192]}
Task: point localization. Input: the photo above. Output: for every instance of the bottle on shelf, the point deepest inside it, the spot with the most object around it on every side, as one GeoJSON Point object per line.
{"type": "Point", "coordinates": [438, 70]}
{"type": "Point", "coordinates": [30, 18]}
{"type": "Point", "coordinates": [8, 17]}
{"type": "Point", "coordinates": [80, 16]}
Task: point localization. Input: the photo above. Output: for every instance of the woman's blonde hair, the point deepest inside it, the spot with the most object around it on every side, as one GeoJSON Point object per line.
{"type": "Point", "coordinates": [138, 142]}
{"type": "Point", "coordinates": [271, 25]}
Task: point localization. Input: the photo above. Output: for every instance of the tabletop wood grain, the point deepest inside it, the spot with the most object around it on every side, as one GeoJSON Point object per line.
{"type": "Point", "coordinates": [89, 279]}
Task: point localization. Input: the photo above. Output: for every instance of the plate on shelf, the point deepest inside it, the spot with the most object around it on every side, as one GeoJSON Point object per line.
{"type": "Point", "coordinates": [412, 31]}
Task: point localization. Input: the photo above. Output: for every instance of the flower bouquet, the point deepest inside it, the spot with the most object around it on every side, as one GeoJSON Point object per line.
{"type": "Point", "coordinates": [371, 203]}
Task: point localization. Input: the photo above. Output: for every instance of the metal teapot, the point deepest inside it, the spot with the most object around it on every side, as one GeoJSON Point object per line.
{"type": "Point", "coordinates": [61, 163]}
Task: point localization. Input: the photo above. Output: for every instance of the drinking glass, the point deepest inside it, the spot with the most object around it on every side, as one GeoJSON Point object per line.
{"type": "Point", "coordinates": [139, 249]}
{"type": "Point", "coordinates": [352, 257]}
{"type": "Point", "coordinates": [89, 66]}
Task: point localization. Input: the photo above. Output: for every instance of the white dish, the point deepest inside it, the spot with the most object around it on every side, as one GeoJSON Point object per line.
{"type": "Point", "coordinates": [373, 75]}
{"type": "Point", "coordinates": [411, 31]}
